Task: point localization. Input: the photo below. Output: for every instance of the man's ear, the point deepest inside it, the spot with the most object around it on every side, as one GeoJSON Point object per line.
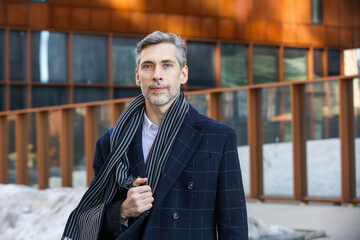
{"type": "Point", "coordinates": [137, 78]}
{"type": "Point", "coordinates": [184, 75]}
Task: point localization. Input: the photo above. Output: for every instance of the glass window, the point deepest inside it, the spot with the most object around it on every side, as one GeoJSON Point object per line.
{"type": "Point", "coordinates": [201, 62]}
{"type": "Point", "coordinates": [2, 55]}
{"type": "Point", "coordinates": [126, 92]}
{"type": "Point", "coordinates": [318, 63]}
{"type": "Point", "coordinates": [17, 55]}
{"type": "Point", "coordinates": [295, 64]}
{"type": "Point", "coordinates": [49, 96]}
{"type": "Point", "coordinates": [18, 97]}
{"type": "Point", "coordinates": [2, 98]}
{"type": "Point", "coordinates": [86, 94]}
{"type": "Point", "coordinates": [277, 142]}
{"type": "Point", "coordinates": [323, 143]}
{"type": "Point", "coordinates": [124, 64]}
{"type": "Point", "coordinates": [199, 102]}
{"type": "Point", "coordinates": [316, 12]}
{"type": "Point", "coordinates": [234, 66]}
{"type": "Point", "coordinates": [265, 64]}
{"type": "Point", "coordinates": [234, 114]}
{"type": "Point", "coordinates": [90, 63]}
{"type": "Point", "coordinates": [31, 151]}
{"type": "Point", "coordinates": [49, 57]}
{"type": "Point", "coordinates": [333, 62]}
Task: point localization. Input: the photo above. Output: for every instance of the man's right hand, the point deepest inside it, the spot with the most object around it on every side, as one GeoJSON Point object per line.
{"type": "Point", "coordinates": [138, 200]}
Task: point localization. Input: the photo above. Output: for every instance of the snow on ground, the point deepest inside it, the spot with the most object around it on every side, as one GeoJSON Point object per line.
{"type": "Point", "coordinates": [28, 213]}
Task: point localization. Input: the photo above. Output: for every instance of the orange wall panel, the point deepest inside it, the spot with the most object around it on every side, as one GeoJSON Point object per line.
{"type": "Point", "coordinates": [318, 34]}
{"type": "Point", "coordinates": [288, 33]}
{"type": "Point", "coordinates": [331, 13]}
{"type": "Point", "coordinates": [346, 38]}
{"type": "Point", "coordinates": [156, 22]}
{"type": "Point", "coordinates": [137, 22]}
{"type": "Point", "coordinates": [346, 13]}
{"type": "Point", "coordinates": [273, 32]}
{"type": "Point", "coordinates": [226, 28]}
{"type": "Point", "coordinates": [39, 15]}
{"type": "Point", "coordinates": [192, 26]}
{"type": "Point", "coordinates": [175, 24]}
{"type": "Point", "coordinates": [258, 30]}
{"type": "Point", "coordinates": [59, 17]}
{"type": "Point", "coordinates": [303, 34]}
{"type": "Point", "coordinates": [17, 14]}
{"type": "Point", "coordinates": [356, 36]}
{"type": "Point", "coordinates": [137, 5]}
{"type": "Point", "coordinates": [303, 11]}
{"type": "Point", "coordinates": [174, 7]}
{"type": "Point", "coordinates": [63, 2]}
{"type": "Point", "coordinates": [243, 11]}
{"type": "Point", "coordinates": [227, 8]}
{"type": "Point", "coordinates": [209, 27]}
{"type": "Point", "coordinates": [209, 8]}
{"type": "Point", "coordinates": [242, 31]}
{"type": "Point", "coordinates": [101, 3]}
{"type": "Point", "coordinates": [80, 3]}
{"type": "Point", "coordinates": [192, 7]}
{"type": "Point", "coordinates": [258, 12]}
{"type": "Point", "coordinates": [356, 11]}
{"type": "Point", "coordinates": [100, 19]}
{"type": "Point", "coordinates": [273, 10]}
{"type": "Point", "coordinates": [332, 36]}
{"type": "Point", "coordinates": [80, 18]}
{"type": "Point", "coordinates": [155, 6]}
{"type": "Point", "coordinates": [119, 4]}
{"type": "Point", "coordinates": [120, 21]}
{"type": "Point", "coordinates": [288, 11]}
{"type": "Point", "coordinates": [2, 13]}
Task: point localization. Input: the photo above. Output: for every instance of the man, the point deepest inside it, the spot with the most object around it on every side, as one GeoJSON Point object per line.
{"type": "Point", "coordinates": [164, 171]}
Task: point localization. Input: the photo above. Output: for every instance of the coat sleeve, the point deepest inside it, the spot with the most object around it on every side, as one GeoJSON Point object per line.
{"type": "Point", "coordinates": [230, 201]}
{"type": "Point", "coordinates": [111, 225]}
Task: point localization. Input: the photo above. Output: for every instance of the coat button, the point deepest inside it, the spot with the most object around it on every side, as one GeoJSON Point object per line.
{"type": "Point", "coordinates": [175, 215]}
{"type": "Point", "coordinates": [190, 185]}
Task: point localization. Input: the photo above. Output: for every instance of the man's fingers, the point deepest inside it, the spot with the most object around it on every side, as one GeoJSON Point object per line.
{"type": "Point", "coordinates": [139, 181]}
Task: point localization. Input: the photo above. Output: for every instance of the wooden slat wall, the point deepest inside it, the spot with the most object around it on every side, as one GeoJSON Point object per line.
{"type": "Point", "coordinates": [279, 21]}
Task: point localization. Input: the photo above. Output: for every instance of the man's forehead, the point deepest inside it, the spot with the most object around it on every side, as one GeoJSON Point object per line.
{"type": "Point", "coordinates": [161, 50]}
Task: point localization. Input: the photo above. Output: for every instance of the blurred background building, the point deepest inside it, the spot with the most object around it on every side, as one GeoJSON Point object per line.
{"type": "Point", "coordinates": [283, 73]}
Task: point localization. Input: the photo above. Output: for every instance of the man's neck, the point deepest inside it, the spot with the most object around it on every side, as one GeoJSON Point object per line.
{"type": "Point", "coordinates": [156, 113]}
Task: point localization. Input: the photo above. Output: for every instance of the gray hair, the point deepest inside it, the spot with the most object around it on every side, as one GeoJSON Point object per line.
{"type": "Point", "coordinates": [160, 37]}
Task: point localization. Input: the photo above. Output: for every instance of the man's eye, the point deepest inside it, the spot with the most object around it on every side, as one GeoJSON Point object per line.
{"type": "Point", "coordinates": [167, 65]}
{"type": "Point", "coordinates": [147, 66]}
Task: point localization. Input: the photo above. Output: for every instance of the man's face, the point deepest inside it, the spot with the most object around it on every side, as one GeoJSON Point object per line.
{"type": "Point", "coordinates": [159, 74]}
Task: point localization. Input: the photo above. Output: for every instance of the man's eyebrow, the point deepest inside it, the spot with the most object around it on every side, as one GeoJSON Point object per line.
{"type": "Point", "coordinates": [168, 60]}
{"type": "Point", "coordinates": [146, 62]}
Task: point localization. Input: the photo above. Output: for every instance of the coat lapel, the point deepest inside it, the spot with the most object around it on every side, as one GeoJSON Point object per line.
{"type": "Point", "coordinates": [185, 144]}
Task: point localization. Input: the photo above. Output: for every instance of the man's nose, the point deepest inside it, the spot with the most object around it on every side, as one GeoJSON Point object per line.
{"type": "Point", "coordinates": [158, 74]}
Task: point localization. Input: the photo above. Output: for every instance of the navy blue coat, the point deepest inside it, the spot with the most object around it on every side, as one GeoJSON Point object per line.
{"type": "Point", "coordinates": [200, 194]}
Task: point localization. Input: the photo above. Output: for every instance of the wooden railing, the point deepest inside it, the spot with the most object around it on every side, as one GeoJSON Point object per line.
{"type": "Point", "coordinates": [255, 142]}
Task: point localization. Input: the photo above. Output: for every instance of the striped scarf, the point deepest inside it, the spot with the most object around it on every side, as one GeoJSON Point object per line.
{"type": "Point", "coordinates": [85, 221]}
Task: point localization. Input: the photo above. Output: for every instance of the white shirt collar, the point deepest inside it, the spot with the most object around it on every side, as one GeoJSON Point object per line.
{"type": "Point", "coordinates": [148, 125]}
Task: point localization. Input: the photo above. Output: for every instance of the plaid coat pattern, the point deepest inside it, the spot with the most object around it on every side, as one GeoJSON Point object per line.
{"type": "Point", "coordinates": [200, 194]}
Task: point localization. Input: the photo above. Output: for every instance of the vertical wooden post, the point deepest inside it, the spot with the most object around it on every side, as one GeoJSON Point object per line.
{"type": "Point", "coordinates": [7, 69]}
{"type": "Point", "coordinates": [4, 150]}
{"type": "Point", "coordinates": [325, 62]}
{"type": "Point", "coordinates": [298, 128]}
{"type": "Point", "coordinates": [42, 143]}
{"type": "Point", "coordinates": [66, 146]}
{"type": "Point", "coordinates": [91, 134]}
{"type": "Point", "coordinates": [218, 64]}
{"type": "Point", "coordinates": [213, 108]}
{"type": "Point", "coordinates": [255, 140]}
{"type": "Point", "coordinates": [116, 110]}
{"type": "Point", "coordinates": [310, 63]}
{"type": "Point", "coordinates": [21, 142]}
{"type": "Point", "coordinates": [347, 139]}
{"type": "Point", "coordinates": [281, 74]}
